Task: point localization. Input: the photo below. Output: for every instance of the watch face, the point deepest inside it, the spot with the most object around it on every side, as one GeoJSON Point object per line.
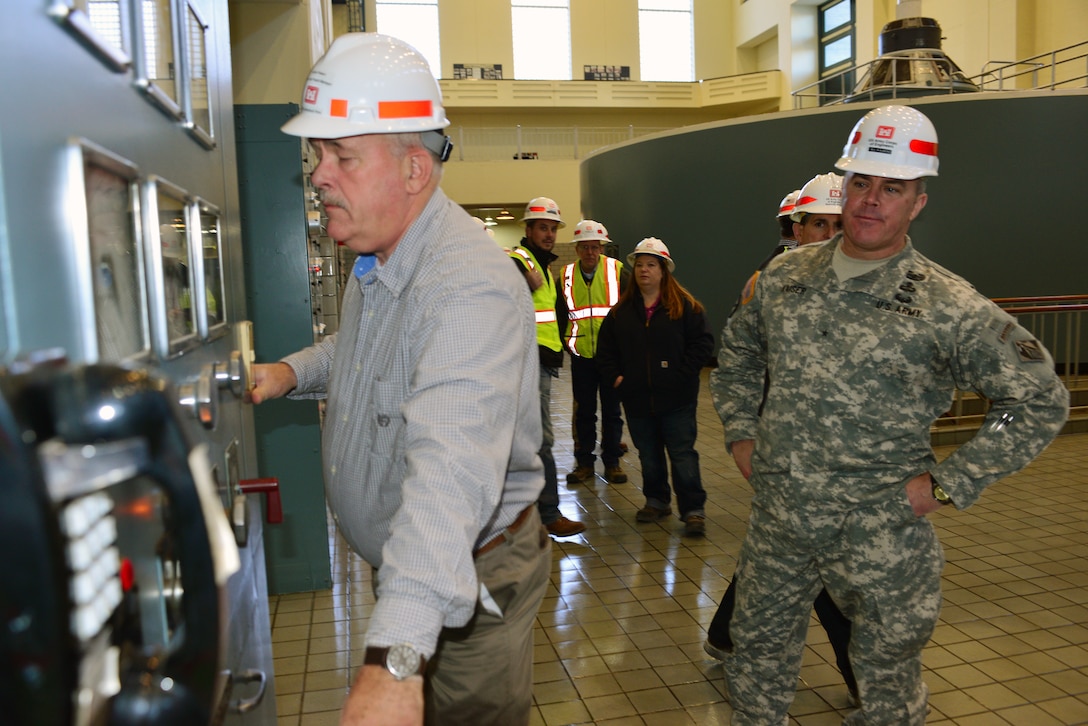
{"type": "Point", "coordinates": [402, 661]}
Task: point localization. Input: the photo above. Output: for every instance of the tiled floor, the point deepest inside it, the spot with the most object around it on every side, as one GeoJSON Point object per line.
{"type": "Point", "coordinates": [619, 634]}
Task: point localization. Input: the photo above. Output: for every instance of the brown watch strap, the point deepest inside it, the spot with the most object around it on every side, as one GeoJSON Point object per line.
{"type": "Point", "coordinates": [375, 656]}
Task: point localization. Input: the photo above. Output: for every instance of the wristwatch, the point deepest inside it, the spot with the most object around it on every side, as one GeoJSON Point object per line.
{"type": "Point", "coordinates": [402, 661]}
{"type": "Point", "coordinates": [938, 493]}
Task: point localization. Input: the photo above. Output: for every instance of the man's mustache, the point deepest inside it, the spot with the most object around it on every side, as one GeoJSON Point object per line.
{"type": "Point", "coordinates": [330, 199]}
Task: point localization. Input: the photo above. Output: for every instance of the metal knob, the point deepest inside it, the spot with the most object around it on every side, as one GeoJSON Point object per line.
{"type": "Point", "coordinates": [313, 223]}
{"type": "Point", "coordinates": [200, 397]}
{"type": "Point", "coordinates": [231, 374]}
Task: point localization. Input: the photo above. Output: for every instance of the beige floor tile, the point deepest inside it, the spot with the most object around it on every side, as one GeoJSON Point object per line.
{"type": "Point", "coordinates": [620, 632]}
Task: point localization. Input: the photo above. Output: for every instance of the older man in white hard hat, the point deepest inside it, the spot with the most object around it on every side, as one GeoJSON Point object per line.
{"type": "Point", "coordinates": [588, 289]}
{"type": "Point", "coordinates": [432, 426]}
{"type": "Point", "coordinates": [864, 340]}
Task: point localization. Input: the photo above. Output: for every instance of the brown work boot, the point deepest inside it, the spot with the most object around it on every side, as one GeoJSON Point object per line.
{"type": "Point", "coordinates": [582, 474]}
{"type": "Point", "coordinates": [564, 527]}
{"type": "Point", "coordinates": [694, 525]}
{"type": "Point", "coordinates": [652, 514]}
{"type": "Point", "coordinates": [614, 474]}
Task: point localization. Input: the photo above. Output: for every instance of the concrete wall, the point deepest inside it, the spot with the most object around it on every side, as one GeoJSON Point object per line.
{"type": "Point", "coordinates": [998, 214]}
{"type": "Point", "coordinates": [273, 46]}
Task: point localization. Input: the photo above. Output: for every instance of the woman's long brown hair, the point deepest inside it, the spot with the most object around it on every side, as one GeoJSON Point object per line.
{"type": "Point", "coordinates": [673, 294]}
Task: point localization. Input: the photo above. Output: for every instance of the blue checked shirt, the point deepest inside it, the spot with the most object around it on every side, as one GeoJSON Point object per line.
{"type": "Point", "coordinates": [433, 421]}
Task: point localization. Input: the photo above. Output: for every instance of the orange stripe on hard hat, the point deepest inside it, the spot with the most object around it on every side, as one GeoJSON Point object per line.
{"type": "Point", "coordinates": [537, 209]}
{"type": "Point", "coordinates": [926, 148]}
{"type": "Point", "coordinates": [338, 107]}
{"type": "Point", "coordinates": [404, 109]}
{"type": "Point", "coordinates": [804, 200]}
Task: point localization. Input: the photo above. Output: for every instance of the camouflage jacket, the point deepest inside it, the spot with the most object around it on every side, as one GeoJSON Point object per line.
{"type": "Point", "coordinates": [860, 369]}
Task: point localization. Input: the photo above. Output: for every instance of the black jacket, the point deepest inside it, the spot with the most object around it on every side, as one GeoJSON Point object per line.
{"type": "Point", "coordinates": [659, 359]}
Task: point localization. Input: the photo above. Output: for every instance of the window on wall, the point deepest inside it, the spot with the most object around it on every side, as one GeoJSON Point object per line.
{"type": "Point", "coordinates": [416, 23]}
{"type": "Point", "coordinates": [541, 39]}
{"type": "Point", "coordinates": [837, 50]}
{"type": "Point", "coordinates": [151, 34]}
{"type": "Point", "coordinates": [665, 45]}
{"type": "Point", "coordinates": [105, 17]}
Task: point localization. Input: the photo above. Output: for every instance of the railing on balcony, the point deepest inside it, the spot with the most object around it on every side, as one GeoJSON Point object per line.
{"type": "Point", "coordinates": [1060, 322]}
{"type": "Point", "coordinates": [529, 143]}
{"type": "Point", "coordinates": [1059, 69]}
{"type": "Point", "coordinates": [1063, 68]}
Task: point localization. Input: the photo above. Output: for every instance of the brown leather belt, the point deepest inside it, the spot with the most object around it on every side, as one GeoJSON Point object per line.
{"type": "Point", "coordinates": [501, 536]}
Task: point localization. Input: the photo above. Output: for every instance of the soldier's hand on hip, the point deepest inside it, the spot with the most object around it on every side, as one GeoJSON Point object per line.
{"type": "Point", "coordinates": [742, 454]}
{"type": "Point", "coordinates": [920, 494]}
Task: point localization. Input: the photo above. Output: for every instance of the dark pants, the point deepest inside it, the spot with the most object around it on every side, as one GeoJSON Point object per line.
{"type": "Point", "coordinates": [548, 503]}
{"type": "Point", "coordinates": [586, 384]}
{"type": "Point", "coordinates": [835, 624]}
{"type": "Point", "coordinates": [673, 432]}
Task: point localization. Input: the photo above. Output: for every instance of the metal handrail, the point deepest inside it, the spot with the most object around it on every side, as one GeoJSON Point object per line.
{"type": "Point", "coordinates": [1034, 67]}
{"type": "Point", "coordinates": [987, 76]}
{"type": "Point", "coordinates": [503, 143]}
{"type": "Point", "coordinates": [955, 80]}
{"type": "Point", "coordinates": [1038, 299]}
{"type": "Point", "coordinates": [1060, 323]}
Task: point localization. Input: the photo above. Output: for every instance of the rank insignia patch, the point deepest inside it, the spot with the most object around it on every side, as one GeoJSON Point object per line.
{"type": "Point", "coordinates": [1029, 350]}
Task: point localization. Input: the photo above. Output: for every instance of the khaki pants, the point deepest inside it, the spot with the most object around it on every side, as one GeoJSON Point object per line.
{"type": "Point", "coordinates": [482, 673]}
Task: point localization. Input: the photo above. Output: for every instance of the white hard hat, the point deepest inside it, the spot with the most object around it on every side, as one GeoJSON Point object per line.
{"type": "Point", "coordinates": [543, 208]}
{"type": "Point", "coordinates": [484, 227]}
{"type": "Point", "coordinates": [368, 83]}
{"type": "Point", "coordinates": [587, 229]}
{"type": "Point", "coordinates": [897, 142]}
{"type": "Point", "coordinates": [785, 207]}
{"type": "Point", "coordinates": [821, 195]}
{"type": "Point", "coordinates": [652, 246]}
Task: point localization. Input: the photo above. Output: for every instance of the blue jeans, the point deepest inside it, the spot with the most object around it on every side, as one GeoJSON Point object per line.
{"type": "Point", "coordinates": [548, 503]}
{"type": "Point", "coordinates": [673, 432]}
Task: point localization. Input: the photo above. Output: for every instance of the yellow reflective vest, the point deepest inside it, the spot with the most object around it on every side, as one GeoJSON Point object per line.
{"type": "Point", "coordinates": [587, 305]}
{"type": "Point", "coordinates": [547, 329]}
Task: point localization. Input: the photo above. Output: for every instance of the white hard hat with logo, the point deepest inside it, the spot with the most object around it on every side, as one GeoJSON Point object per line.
{"type": "Point", "coordinates": [543, 208]}
{"type": "Point", "coordinates": [821, 195]}
{"type": "Point", "coordinates": [785, 207]}
{"type": "Point", "coordinates": [652, 246]}
{"type": "Point", "coordinates": [368, 83]}
{"type": "Point", "coordinates": [587, 229]}
{"type": "Point", "coordinates": [897, 142]}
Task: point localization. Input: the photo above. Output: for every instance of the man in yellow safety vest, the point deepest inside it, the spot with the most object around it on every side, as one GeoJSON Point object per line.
{"type": "Point", "coordinates": [533, 256]}
{"type": "Point", "coordinates": [587, 291]}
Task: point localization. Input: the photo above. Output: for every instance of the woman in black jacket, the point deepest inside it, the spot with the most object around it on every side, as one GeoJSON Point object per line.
{"type": "Point", "coordinates": [652, 346]}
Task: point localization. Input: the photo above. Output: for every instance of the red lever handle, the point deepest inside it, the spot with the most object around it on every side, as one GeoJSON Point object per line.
{"type": "Point", "coordinates": [271, 487]}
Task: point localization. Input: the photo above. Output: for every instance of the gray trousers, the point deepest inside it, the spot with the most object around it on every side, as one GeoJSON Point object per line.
{"type": "Point", "coordinates": [482, 673]}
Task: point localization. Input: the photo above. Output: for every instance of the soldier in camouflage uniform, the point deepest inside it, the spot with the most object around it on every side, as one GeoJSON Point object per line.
{"type": "Point", "coordinates": [864, 340]}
